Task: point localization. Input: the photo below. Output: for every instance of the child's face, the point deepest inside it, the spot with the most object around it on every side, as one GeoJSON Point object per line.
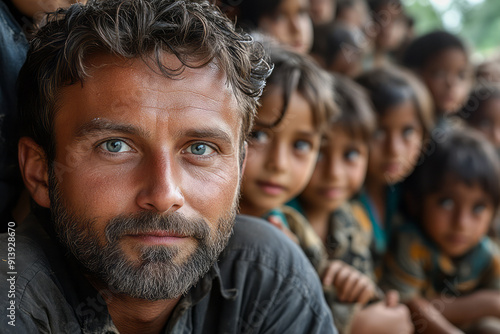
{"type": "Point", "coordinates": [350, 64]}
{"type": "Point", "coordinates": [457, 217]}
{"type": "Point", "coordinates": [447, 75]}
{"type": "Point", "coordinates": [280, 160]}
{"type": "Point", "coordinates": [396, 144]}
{"type": "Point", "coordinates": [489, 124]}
{"type": "Point", "coordinates": [322, 11]}
{"type": "Point", "coordinates": [290, 25]}
{"type": "Point", "coordinates": [340, 170]}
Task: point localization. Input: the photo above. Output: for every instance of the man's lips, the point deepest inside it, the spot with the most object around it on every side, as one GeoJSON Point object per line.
{"type": "Point", "coordinates": [271, 188]}
{"type": "Point", "coordinates": [158, 237]}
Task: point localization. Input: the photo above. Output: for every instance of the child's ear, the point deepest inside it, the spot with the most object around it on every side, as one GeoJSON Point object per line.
{"type": "Point", "coordinates": [34, 170]}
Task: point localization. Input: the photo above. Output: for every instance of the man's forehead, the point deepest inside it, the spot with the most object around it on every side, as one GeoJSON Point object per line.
{"type": "Point", "coordinates": [117, 81]}
{"type": "Point", "coordinates": [103, 65]}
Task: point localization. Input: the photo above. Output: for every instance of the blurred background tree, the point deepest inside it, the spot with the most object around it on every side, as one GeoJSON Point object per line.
{"type": "Point", "coordinates": [477, 21]}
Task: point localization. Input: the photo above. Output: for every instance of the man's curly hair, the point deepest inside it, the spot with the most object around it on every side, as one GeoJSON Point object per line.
{"type": "Point", "coordinates": [194, 31]}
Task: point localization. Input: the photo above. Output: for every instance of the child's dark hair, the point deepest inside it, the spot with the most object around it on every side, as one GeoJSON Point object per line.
{"type": "Point", "coordinates": [459, 155]}
{"type": "Point", "coordinates": [247, 13]}
{"type": "Point", "coordinates": [376, 5]}
{"type": "Point", "coordinates": [425, 47]}
{"type": "Point", "coordinates": [388, 87]}
{"type": "Point", "coordinates": [356, 112]}
{"type": "Point", "coordinates": [331, 39]}
{"type": "Point", "coordinates": [472, 110]}
{"type": "Point", "coordinates": [346, 4]}
{"type": "Point", "coordinates": [294, 72]}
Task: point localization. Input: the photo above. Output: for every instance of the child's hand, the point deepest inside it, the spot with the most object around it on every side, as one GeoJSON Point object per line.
{"type": "Point", "coordinates": [278, 223]}
{"type": "Point", "coordinates": [380, 318]}
{"type": "Point", "coordinates": [352, 286]}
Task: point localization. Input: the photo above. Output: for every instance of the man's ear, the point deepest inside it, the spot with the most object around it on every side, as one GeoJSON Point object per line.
{"type": "Point", "coordinates": [34, 170]}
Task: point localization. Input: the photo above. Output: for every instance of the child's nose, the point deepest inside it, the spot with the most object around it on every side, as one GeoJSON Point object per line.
{"type": "Point", "coordinates": [277, 158]}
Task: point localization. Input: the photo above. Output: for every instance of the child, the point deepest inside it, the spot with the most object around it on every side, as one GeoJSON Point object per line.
{"type": "Point", "coordinates": [442, 62]}
{"type": "Point", "coordinates": [391, 29]}
{"type": "Point", "coordinates": [285, 140]}
{"type": "Point", "coordinates": [322, 11]}
{"type": "Point", "coordinates": [287, 21]}
{"type": "Point", "coordinates": [353, 13]}
{"type": "Point", "coordinates": [482, 112]}
{"type": "Point", "coordinates": [442, 263]}
{"type": "Point", "coordinates": [404, 118]}
{"type": "Point", "coordinates": [338, 48]}
{"type": "Point", "coordinates": [342, 226]}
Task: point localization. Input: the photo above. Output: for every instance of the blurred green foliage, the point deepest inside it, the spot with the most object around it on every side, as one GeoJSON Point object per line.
{"type": "Point", "coordinates": [478, 22]}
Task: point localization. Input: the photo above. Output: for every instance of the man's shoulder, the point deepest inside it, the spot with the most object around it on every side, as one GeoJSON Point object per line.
{"type": "Point", "coordinates": [255, 238]}
{"type": "Point", "coordinates": [28, 274]}
{"type": "Point", "coordinates": [273, 277]}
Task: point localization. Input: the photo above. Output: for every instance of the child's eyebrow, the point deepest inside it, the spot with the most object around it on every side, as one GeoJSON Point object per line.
{"type": "Point", "coordinates": [307, 133]}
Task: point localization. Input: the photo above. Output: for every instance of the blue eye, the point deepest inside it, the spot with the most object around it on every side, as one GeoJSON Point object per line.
{"type": "Point", "coordinates": [115, 146]}
{"type": "Point", "coordinates": [259, 137]}
{"type": "Point", "coordinates": [302, 145]}
{"type": "Point", "coordinates": [352, 154]}
{"type": "Point", "coordinates": [408, 131]}
{"type": "Point", "coordinates": [446, 203]}
{"type": "Point", "coordinates": [200, 149]}
{"type": "Point", "coordinates": [478, 208]}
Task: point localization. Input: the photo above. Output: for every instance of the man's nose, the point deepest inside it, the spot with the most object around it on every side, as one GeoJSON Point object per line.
{"type": "Point", "coordinates": [160, 187]}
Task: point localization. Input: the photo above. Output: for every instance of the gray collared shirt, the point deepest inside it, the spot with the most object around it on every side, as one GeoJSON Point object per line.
{"type": "Point", "coordinates": [262, 283]}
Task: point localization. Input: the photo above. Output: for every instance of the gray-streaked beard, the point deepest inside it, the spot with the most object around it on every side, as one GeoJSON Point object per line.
{"type": "Point", "coordinates": [159, 274]}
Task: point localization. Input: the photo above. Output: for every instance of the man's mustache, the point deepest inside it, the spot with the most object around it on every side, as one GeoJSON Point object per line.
{"type": "Point", "coordinates": [147, 222]}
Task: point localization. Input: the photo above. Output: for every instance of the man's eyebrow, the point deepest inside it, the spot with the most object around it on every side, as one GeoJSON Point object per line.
{"type": "Point", "coordinates": [98, 125]}
{"type": "Point", "coordinates": [208, 133]}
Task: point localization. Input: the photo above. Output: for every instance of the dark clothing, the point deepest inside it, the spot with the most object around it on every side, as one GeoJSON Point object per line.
{"type": "Point", "coordinates": [13, 49]}
{"type": "Point", "coordinates": [262, 283]}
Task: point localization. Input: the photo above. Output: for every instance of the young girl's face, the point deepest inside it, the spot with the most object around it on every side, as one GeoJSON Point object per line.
{"type": "Point", "coordinates": [396, 144]}
{"type": "Point", "coordinates": [489, 122]}
{"type": "Point", "coordinates": [457, 217]}
{"type": "Point", "coordinates": [339, 172]}
{"type": "Point", "coordinates": [290, 25]}
{"type": "Point", "coordinates": [280, 160]}
{"type": "Point", "coordinates": [447, 75]}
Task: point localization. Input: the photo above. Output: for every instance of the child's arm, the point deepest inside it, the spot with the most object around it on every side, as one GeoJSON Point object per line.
{"type": "Point", "coordinates": [278, 223]}
{"type": "Point", "coordinates": [384, 317]}
{"type": "Point", "coordinates": [352, 286]}
{"type": "Point", "coordinates": [428, 319]}
{"type": "Point", "coordinates": [471, 308]}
